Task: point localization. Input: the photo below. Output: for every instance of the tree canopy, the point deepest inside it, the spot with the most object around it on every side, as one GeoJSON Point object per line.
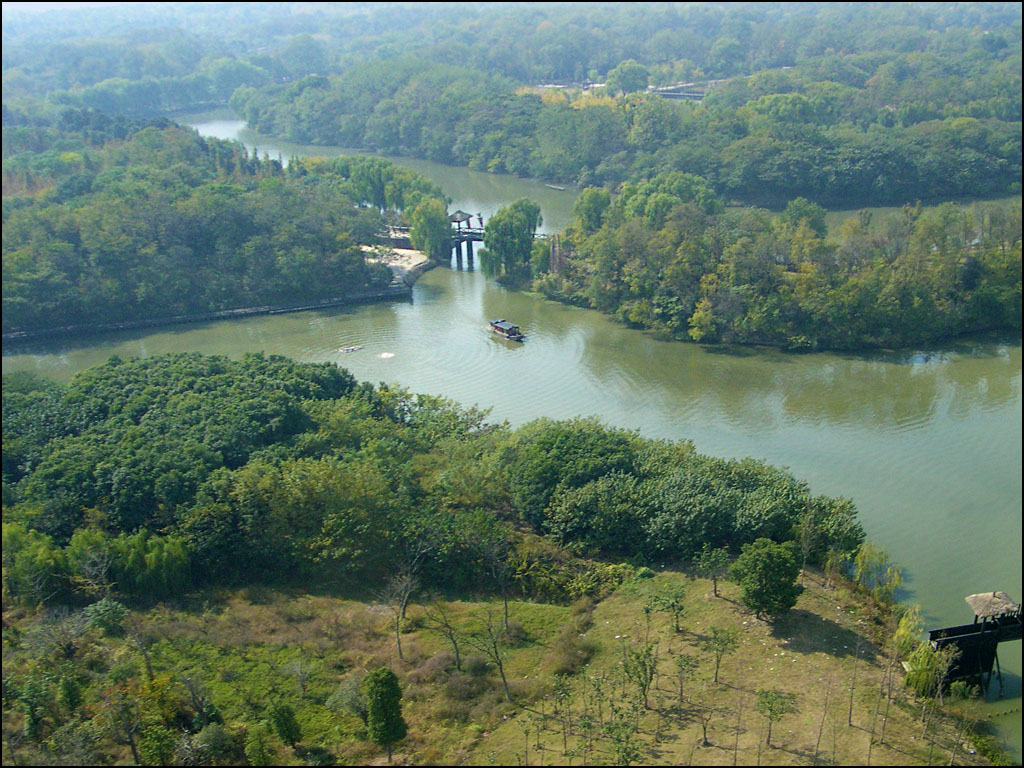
{"type": "Point", "coordinates": [766, 573]}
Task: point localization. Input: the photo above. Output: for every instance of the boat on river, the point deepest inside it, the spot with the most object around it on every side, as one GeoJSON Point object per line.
{"type": "Point", "coordinates": [507, 330]}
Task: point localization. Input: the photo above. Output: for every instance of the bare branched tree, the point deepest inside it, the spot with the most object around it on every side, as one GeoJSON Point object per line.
{"type": "Point", "coordinates": [93, 573]}
{"type": "Point", "coordinates": [124, 720]}
{"type": "Point", "coordinates": [58, 631]}
{"type": "Point", "coordinates": [489, 640]}
{"type": "Point", "coordinates": [439, 618]}
{"type": "Point", "coordinates": [395, 595]}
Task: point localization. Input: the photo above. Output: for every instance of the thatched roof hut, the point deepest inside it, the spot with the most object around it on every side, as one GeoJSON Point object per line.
{"type": "Point", "coordinates": [988, 604]}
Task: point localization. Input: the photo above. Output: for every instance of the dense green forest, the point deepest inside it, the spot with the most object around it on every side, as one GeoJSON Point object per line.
{"type": "Point", "coordinates": [107, 220]}
{"type": "Point", "coordinates": [909, 102]}
{"type": "Point", "coordinates": [866, 139]}
{"type": "Point", "coordinates": [308, 472]}
{"type": "Point", "coordinates": [667, 255]}
{"type": "Point", "coordinates": [846, 106]}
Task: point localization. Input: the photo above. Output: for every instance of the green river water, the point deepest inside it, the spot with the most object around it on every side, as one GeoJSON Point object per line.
{"type": "Point", "coordinates": [927, 442]}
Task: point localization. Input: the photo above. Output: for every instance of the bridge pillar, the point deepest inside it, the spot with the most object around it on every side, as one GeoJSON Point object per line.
{"type": "Point", "coordinates": [469, 253]}
{"type": "Point", "coordinates": [458, 252]}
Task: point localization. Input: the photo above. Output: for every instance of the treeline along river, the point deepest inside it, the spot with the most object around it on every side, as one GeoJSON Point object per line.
{"type": "Point", "coordinates": [927, 442]}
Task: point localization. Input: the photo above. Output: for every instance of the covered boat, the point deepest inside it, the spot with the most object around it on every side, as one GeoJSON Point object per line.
{"type": "Point", "coordinates": [506, 329]}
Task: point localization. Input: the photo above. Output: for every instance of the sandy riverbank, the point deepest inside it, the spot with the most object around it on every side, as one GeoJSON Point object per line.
{"type": "Point", "coordinates": [405, 263]}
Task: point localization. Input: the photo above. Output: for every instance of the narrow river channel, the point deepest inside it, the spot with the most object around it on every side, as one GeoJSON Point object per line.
{"type": "Point", "coordinates": [926, 442]}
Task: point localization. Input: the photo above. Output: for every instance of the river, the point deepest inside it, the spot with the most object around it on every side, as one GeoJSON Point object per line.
{"type": "Point", "coordinates": [927, 442]}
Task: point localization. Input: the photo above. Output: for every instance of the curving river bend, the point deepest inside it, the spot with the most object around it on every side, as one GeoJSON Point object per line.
{"type": "Point", "coordinates": [927, 442]}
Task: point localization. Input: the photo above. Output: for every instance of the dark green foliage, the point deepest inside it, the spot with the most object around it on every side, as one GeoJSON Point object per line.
{"type": "Point", "coordinates": [546, 455]}
{"type": "Point", "coordinates": [767, 574]}
{"type": "Point", "coordinates": [605, 515]}
{"type": "Point", "coordinates": [287, 728]}
{"type": "Point", "coordinates": [384, 708]}
{"type": "Point", "coordinates": [312, 476]}
{"type": "Point", "coordinates": [172, 224]}
{"type": "Point", "coordinates": [665, 256]}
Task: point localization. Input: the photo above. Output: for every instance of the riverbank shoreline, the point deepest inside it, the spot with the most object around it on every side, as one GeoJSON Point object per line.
{"type": "Point", "coordinates": [406, 270]}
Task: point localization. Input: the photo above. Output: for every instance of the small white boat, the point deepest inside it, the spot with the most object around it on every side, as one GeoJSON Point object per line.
{"type": "Point", "coordinates": [351, 349]}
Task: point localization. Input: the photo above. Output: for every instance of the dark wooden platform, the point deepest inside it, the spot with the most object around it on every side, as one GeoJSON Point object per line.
{"type": "Point", "coordinates": [977, 644]}
{"type": "Point", "coordinates": [997, 619]}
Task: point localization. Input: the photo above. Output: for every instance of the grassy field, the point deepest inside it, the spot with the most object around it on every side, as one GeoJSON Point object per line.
{"type": "Point", "coordinates": [571, 701]}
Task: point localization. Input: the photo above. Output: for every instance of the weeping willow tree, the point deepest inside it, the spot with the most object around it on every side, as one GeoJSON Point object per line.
{"type": "Point", "coordinates": [508, 241]}
{"type": "Point", "coordinates": [430, 230]}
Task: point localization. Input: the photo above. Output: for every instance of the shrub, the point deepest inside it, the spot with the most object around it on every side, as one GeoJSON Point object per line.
{"type": "Point", "coordinates": [433, 669]}
{"type": "Point", "coordinates": [348, 697]}
{"type": "Point", "coordinates": [570, 653]}
{"type": "Point", "coordinates": [476, 666]}
{"type": "Point", "coordinates": [107, 615]}
{"type": "Point", "coordinates": [215, 742]}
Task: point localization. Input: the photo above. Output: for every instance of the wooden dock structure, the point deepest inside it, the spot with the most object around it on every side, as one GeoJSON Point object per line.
{"type": "Point", "coordinates": [398, 237]}
{"type": "Point", "coordinates": [997, 619]}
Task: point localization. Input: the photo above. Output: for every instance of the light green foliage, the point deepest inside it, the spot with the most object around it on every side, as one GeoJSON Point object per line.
{"type": "Point", "coordinates": [599, 580]}
{"type": "Point", "coordinates": [774, 705]}
{"type": "Point", "coordinates": [508, 240]}
{"type": "Point", "coordinates": [627, 77]}
{"type": "Point", "coordinates": [589, 209]}
{"type": "Point", "coordinates": [641, 664]}
{"type": "Point", "coordinates": [928, 667]}
{"type": "Point", "coordinates": [685, 665]}
{"type": "Point", "coordinates": [672, 601]}
{"type": "Point", "coordinates": [349, 697]}
{"type": "Point", "coordinates": [384, 719]}
{"type": "Point", "coordinates": [908, 632]}
{"type": "Point", "coordinates": [258, 749]}
{"type": "Point", "coordinates": [215, 743]}
{"type": "Point", "coordinates": [430, 230]}
{"type": "Point", "coordinates": [713, 564]}
{"type": "Point", "coordinates": [722, 642]}
{"type": "Point", "coordinates": [766, 573]}
{"type": "Point", "coordinates": [802, 210]}
{"type": "Point", "coordinates": [874, 570]}
{"type": "Point", "coordinates": [157, 745]}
